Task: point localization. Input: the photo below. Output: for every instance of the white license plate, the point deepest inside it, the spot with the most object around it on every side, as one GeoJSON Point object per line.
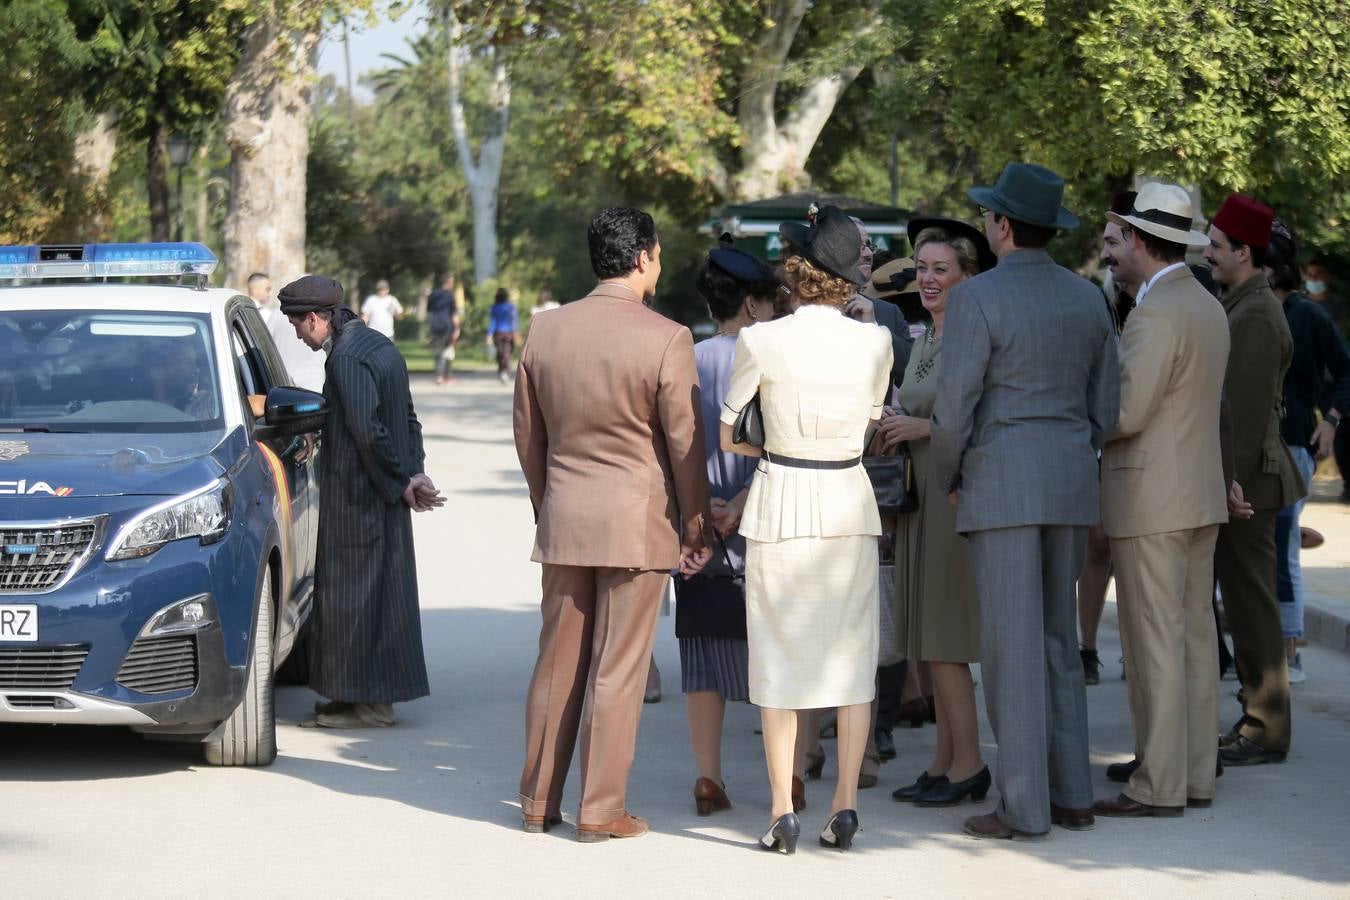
{"type": "Point", "coordinates": [18, 622]}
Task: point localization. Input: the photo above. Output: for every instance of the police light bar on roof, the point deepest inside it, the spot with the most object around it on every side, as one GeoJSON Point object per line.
{"type": "Point", "coordinates": [37, 262]}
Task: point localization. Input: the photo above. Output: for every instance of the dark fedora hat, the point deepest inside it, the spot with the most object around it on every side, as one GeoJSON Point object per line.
{"type": "Point", "coordinates": [831, 242]}
{"type": "Point", "coordinates": [1028, 193]}
{"type": "Point", "coordinates": [956, 228]}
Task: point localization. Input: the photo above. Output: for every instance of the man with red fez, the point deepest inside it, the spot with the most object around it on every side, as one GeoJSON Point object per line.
{"type": "Point", "coordinates": [1265, 479]}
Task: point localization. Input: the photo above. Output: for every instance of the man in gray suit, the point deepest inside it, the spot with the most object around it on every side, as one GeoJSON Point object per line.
{"type": "Point", "coordinates": [1028, 391]}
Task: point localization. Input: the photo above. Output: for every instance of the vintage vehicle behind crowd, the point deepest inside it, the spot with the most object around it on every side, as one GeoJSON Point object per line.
{"type": "Point", "coordinates": [158, 514]}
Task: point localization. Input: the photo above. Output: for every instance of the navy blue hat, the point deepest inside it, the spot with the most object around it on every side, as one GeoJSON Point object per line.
{"type": "Point", "coordinates": [1028, 193]}
{"type": "Point", "coordinates": [744, 267]}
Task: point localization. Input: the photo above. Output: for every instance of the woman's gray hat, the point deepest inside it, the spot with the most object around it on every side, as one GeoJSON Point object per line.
{"type": "Point", "coordinates": [1028, 193]}
{"type": "Point", "coordinates": [831, 242]}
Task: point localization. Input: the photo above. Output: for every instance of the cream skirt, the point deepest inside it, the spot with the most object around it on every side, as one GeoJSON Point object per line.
{"type": "Point", "coordinates": [811, 618]}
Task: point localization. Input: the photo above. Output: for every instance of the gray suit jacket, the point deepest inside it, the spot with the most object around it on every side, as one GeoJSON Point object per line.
{"type": "Point", "coordinates": [1028, 390]}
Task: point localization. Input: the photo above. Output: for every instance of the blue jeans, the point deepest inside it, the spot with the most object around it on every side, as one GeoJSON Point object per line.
{"type": "Point", "coordinates": [1288, 569]}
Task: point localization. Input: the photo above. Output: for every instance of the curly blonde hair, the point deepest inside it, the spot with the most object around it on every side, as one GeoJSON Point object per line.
{"type": "Point", "coordinates": [813, 285]}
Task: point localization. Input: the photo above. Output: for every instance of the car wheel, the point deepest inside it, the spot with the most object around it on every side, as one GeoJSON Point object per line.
{"type": "Point", "coordinates": [249, 736]}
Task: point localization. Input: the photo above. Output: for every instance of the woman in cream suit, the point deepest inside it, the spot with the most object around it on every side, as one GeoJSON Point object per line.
{"type": "Point", "coordinates": [810, 520]}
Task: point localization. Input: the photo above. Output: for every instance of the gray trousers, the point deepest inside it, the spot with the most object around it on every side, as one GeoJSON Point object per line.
{"type": "Point", "coordinates": [1032, 673]}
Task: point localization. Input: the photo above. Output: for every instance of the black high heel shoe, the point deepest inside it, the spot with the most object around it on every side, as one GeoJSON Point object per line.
{"type": "Point", "coordinates": [839, 831]}
{"type": "Point", "coordinates": [954, 792]}
{"type": "Point", "coordinates": [782, 835]}
{"type": "Point", "coordinates": [922, 785]}
{"type": "Point", "coordinates": [816, 766]}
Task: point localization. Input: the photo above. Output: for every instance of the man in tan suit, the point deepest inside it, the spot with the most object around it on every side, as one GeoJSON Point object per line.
{"type": "Point", "coordinates": [1164, 496]}
{"type": "Point", "coordinates": [1264, 470]}
{"type": "Point", "coordinates": [609, 437]}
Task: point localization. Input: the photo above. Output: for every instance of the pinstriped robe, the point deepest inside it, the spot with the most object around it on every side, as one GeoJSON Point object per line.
{"type": "Point", "coordinates": [366, 631]}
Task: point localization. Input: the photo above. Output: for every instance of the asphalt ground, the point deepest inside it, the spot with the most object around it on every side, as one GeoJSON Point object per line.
{"type": "Point", "coordinates": [428, 809]}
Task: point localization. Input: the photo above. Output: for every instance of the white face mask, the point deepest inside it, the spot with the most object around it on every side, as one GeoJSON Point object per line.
{"type": "Point", "coordinates": [1315, 287]}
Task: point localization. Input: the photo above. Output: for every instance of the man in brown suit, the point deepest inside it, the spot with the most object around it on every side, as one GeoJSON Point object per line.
{"type": "Point", "coordinates": [1164, 495]}
{"type": "Point", "coordinates": [1264, 473]}
{"type": "Point", "coordinates": [609, 437]}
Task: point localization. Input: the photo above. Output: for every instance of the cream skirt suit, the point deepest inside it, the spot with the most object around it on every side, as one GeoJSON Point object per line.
{"type": "Point", "coordinates": [811, 534]}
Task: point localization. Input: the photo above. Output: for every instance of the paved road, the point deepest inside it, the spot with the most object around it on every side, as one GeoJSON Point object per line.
{"type": "Point", "coordinates": [429, 808]}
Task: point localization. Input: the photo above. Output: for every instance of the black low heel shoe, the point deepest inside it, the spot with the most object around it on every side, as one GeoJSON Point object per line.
{"type": "Point", "coordinates": [782, 835]}
{"type": "Point", "coordinates": [839, 831]}
{"type": "Point", "coordinates": [921, 786]}
{"type": "Point", "coordinates": [954, 792]}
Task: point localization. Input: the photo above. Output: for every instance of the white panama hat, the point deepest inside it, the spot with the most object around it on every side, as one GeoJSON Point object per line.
{"type": "Point", "coordinates": [1163, 210]}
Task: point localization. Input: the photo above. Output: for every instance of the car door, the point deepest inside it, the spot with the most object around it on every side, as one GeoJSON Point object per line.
{"type": "Point", "coordinates": [261, 369]}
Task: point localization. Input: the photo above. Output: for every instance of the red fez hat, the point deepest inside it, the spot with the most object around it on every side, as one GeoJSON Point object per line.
{"type": "Point", "coordinates": [1245, 220]}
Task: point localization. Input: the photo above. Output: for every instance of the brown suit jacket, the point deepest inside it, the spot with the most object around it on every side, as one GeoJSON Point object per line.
{"type": "Point", "coordinates": [609, 435]}
{"type": "Point", "coordinates": [1162, 468]}
{"type": "Point", "coordinates": [1261, 350]}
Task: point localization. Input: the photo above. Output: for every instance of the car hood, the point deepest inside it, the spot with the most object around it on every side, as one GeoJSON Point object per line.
{"type": "Point", "coordinates": [37, 465]}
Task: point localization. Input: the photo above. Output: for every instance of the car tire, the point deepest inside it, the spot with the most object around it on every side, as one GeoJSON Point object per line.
{"type": "Point", "coordinates": [249, 736]}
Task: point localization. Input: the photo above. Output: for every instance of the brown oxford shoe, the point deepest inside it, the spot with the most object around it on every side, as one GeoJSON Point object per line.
{"type": "Point", "coordinates": [540, 824]}
{"type": "Point", "coordinates": [1072, 819]}
{"type": "Point", "coordinates": [1125, 808]}
{"type": "Point", "coordinates": [625, 826]}
{"type": "Point", "coordinates": [709, 796]}
{"type": "Point", "coordinates": [991, 826]}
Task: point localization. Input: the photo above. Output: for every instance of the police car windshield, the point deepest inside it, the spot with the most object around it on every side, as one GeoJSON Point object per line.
{"type": "Point", "coordinates": [93, 370]}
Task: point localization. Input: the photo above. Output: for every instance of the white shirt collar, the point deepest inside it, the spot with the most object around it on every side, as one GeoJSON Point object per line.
{"type": "Point", "coordinates": [1143, 291]}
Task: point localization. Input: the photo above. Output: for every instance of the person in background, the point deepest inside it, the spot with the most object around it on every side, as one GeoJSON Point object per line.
{"type": "Point", "coordinates": [937, 611]}
{"type": "Point", "coordinates": [1317, 287]}
{"type": "Point", "coordinates": [501, 332]}
{"type": "Point", "coordinates": [1319, 350]}
{"type": "Point", "coordinates": [710, 607]}
{"type": "Point", "coordinates": [305, 367]}
{"type": "Point", "coordinates": [260, 292]}
{"type": "Point", "coordinates": [811, 522]}
{"type": "Point", "coordinates": [365, 634]}
{"type": "Point", "coordinates": [544, 302]}
{"type": "Point", "coordinates": [443, 321]}
{"type": "Point", "coordinates": [1265, 479]}
{"type": "Point", "coordinates": [380, 310]}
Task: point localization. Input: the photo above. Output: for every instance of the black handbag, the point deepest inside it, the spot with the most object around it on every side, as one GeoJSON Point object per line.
{"type": "Point", "coordinates": [711, 605]}
{"type": "Point", "coordinates": [749, 427]}
{"type": "Point", "coordinates": [893, 482]}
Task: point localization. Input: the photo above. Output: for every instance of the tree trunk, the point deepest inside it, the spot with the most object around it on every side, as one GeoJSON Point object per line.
{"type": "Point", "coordinates": [484, 175]}
{"type": "Point", "coordinates": [157, 183]}
{"type": "Point", "coordinates": [95, 149]}
{"type": "Point", "coordinates": [267, 130]}
{"type": "Point", "coordinates": [773, 158]}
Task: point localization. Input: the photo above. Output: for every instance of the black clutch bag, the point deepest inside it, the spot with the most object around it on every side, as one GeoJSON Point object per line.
{"type": "Point", "coordinates": [893, 483]}
{"type": "Point", "coordinates": [749, 426]}
{"type": "Point", "coordinates": [710, 605]}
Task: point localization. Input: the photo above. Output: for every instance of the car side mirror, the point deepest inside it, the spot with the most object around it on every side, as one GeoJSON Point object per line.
{"type": "Point", "coordinates": [291, 411]}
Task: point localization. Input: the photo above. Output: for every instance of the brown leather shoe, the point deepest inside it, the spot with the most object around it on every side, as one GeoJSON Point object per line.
{"type": "Point", "coordinates": [798, 794]}
{"type": "Point", "coordinates": [1072, 819]}
{"type": "Point", "coordinates": [1125, 808]}
{"type": "Point", "coordinates": [540, 824]}
{"type": "Point", "coordinates": [625, 826]}
{"type": "Point", "coordinates": [710, 796]}
{"type": "Point", "coordinates": [991, 826]}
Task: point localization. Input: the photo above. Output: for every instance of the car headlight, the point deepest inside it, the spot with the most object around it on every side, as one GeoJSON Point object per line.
{"type": "Point", "coordinates": [203, 514]}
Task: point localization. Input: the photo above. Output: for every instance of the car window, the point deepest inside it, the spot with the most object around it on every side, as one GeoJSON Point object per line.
{"type": "Point", "coordinates": [91, 370]}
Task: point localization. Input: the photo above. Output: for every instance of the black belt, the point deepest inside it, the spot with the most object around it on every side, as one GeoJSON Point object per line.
{"type": "Point", "coordinates": [795, 463]}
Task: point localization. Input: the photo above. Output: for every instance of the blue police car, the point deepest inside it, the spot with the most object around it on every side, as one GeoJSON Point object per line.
{"type": "Point", "coordinates": [158, 501]}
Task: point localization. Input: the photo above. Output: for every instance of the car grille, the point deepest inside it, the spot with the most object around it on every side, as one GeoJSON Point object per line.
{"type": "Point", "coordinates": [160, 665]}
{"type": "Point", "coordinates": [41, 668]}
{"type": "Point", "coordinates": [34, 559]}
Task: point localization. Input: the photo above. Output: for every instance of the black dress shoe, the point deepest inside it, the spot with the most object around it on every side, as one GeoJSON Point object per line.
{"type": "Point", "coordinates": [885, 744]}
{"type": "Point", "coordinates": [1243, 752]}
{"type": "Point", "coordinates": [839, 831]}
{"type": "Point", "coordinates": [1122, 771]}
{"type": "Point", "coordinates": [782, 835]}
{"type": "Point", "coordinates": [1092, 666]}
{"type": "Point", "coordinates": [920, 786]}
{"type": "Point", "coordinates": [952, 793]}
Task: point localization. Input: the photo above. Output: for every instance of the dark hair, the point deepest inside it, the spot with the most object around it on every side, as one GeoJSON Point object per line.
{"type": "Point", "coordinates": [258, 276]}
{"type": "Point", "coordinates": [1206, 278]}
{"type": "Point", "coordinates": [1283, 262]}
{"type": "Point", "coordinates": [725, 294]}
{"type": "Point", "coordinates": [616, 236]}
{"type": "Point", "coordinates": [1160, 249]}
{"type": "Point", "coordinates": [1028, 236]}
{"type": "Point", "coordinates": [502, 296]}
{"type": "Point", "coordinates": [1259, 254]}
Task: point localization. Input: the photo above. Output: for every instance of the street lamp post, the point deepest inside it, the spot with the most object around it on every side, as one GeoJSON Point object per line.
{"type": "Point", "coordinates": [180, 152]}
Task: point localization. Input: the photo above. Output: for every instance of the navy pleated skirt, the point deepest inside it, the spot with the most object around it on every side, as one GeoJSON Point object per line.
{"type": "Point", "coordinates": [720, 664]}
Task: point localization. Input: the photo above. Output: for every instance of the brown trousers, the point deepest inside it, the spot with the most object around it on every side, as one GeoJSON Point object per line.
{"type": "Point", "coordinates": [1165, 584]}
{"type": "Point", "coordinates": [1245, 562]}
{"type": "Point", "coordinates": [594, 646]}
